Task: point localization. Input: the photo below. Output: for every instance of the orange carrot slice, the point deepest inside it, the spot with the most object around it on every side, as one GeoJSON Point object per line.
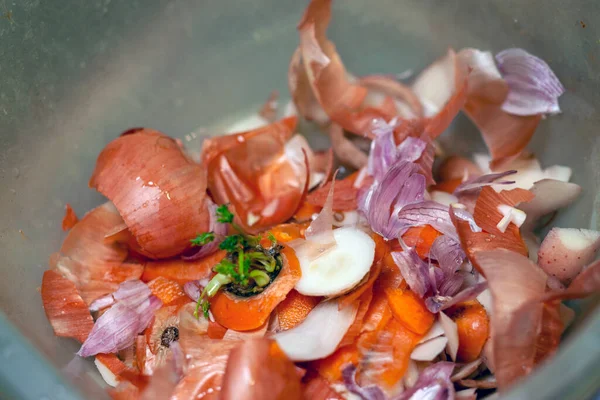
{"type": "Point", "coordinates": [65, 309]}
{"type": "Point", "coordinates": [288, 232]}
{"type": "Point", "coordinates": [353, 296]}
{"type": "Point", "coordinates": [70, 218]}
{"type": "Point", "coordinates": [215, 330]}
{"type": "Point", "coordinates": [306, 211]}
{"type": "Point", "coordinates": [294, 309]}
{"type": "Point", "coordinates": [317, 388]}
{"type": "Point", "coordinates": [244, 314]}
{"type": "Point", "coordinates": [331, 367]}
{"type": "Point", "coordinates": [168, 291]}
{"type": "Point", "coordinates": [387, 360]}
{"type": "Point", "coordinates": [181, 271]}
{"type": "Point", "coordinates": [410, 310]}
{"type": "Point", "coordinates": [356, 327]}
{"type": "Point", "coordinates": [421, 238]}
{"type": "Point", "coordinates": [472, 323]}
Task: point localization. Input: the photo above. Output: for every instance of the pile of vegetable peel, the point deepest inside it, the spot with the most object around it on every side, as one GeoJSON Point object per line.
{"type": "Point", "coordinates": [255, 271]}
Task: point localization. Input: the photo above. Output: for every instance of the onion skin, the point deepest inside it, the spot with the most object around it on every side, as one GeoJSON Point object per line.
{"type": "Point", "coordinates": [504, 134]}
{"type": "Point", "coordinates": [564, 252]}
{"type": "Point", "coordinates": [95, 266]}
{"type": "Point", "coordinates": [66, 311]}
{"type": "Point", "coordinates": [517, 286]}
{"type": "Point", "coordinates": [258, 369]}
{"type": "Point", "coordinates": [253, 174]}
{"type": "Point", "coordinates": [158, 191]}
{"type": "Point", "coordinates": [70, 218]}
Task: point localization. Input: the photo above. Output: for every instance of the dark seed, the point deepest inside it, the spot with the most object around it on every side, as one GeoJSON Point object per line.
{"type": "Point", "coordinates": [170, 335]}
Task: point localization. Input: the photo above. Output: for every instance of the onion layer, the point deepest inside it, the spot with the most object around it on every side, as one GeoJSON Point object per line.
{"type": "Point", "coordinates": [157, 189]}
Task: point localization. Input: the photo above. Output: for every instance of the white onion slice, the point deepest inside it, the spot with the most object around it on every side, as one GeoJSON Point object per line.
{"type": "Point", "coordinates": [436, 330]}
{"type": "Point", "coordinates": [340, 268]}
{"type": "Point", "coordinates": [444, 198]}
{"type": "Point", "coordinates": [451, 333]}
{"type": "Point", "coordinates": [510, 214]}
{"type": "Point", "coordinates": [564, 252]}
{"type": "Point", "coordinates": [109, 377]}
{"type": "Point", "coordinates": [529, 171]}
{"type": "Point", "coordinates": [346, 218]}
{"type": "Point", "coordinates": [567, 315]}
{"type": "Point", "coordinates": [412, 374]}
{"type": "Point", "coordinates": [550, 195]}
{"type": "Point", "coordinates": [319, 335]}
{"type": "Point", "coordinates": [429, 350]}
{"type": "Point", "coordinates": [466, 394]}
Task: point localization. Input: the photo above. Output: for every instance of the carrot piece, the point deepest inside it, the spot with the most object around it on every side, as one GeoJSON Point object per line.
{"type": "Point", "coordinates": [306, 211]}
{"type": "Point", "coordinates": [317, 388]}
{"type": "Point", "coordinates": [244, 314]}
{"type": "Point", "coordinates": [294, 309]}
{"type": "Point", "coordinates": [377, 316]}
{"type": "Point", "coordinates": [387, 360]}
{"type": "Point", "coordinates": [421, 238]}
{"type": "Point", "coordinates": [168, 291]}
{"type": "Point", "coordinates": [448, 186]}
{"type": "Point", "coordinates": [66, 311]}
{"type": "Point", "coordinates": [331, 367]}
{"type": "Point", "coordinates": [390, 275]}
{"type": "Point", "coordinates": [354, 295]}
{"type": "Point", "coordinates": [472, 323]}
{"type": "Point", "coordinates": [381, 247]}
{"type": "Point", "coordinates": [215, 330]}
{"type": "Point", "coordinates": [356, 327]}
{"type": "Point", "coordinates": [288, 232]}
{"type": "Point", "coordinates": [410, 310]}
{"type": "Point", "coordinates": [181, 271]}
{"type": "Point", "coordinates": [70, 218]}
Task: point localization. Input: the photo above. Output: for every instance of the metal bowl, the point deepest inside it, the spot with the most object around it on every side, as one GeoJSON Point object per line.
{"type": "Point", "coordinates": [74, 74]}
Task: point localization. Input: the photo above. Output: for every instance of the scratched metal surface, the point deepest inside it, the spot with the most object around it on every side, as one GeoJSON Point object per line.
{"type": "Point", "coordinates": [74, 74]}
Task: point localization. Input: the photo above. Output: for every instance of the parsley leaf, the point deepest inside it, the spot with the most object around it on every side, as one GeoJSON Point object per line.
{"type": "Point", "coordinates": [224, 216]}
{"type": "Point", "coordinates": [232, 243]}
{"type": "Point", "coordinates": [205, 308]}
{"type": "Point", "coordinates": [271, 237]}
{"type": "Point", "coordinates": [203, 239]}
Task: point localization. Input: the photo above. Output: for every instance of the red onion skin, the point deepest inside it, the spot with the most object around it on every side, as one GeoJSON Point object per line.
{"type": "Point", "coordinates": [64, 307]}
{"type": "Point", "coordinates": [156, 189]}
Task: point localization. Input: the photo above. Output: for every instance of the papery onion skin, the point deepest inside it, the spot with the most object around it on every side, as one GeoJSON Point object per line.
{"type": "Point", "coordinates": [504, 134]}
{"type": "Point", "coordinates": [400, 187]}
{"type": "Point", "coordinates": [255, 176]}
{"type": "Point", "coordinates": [258, 369]}
{"type": "Point", "coordinates": [533, 87]}
{"type": "Point", "coordinates": [66, 311]}
{"type": "Point", "coordinates": [70, 218]}
{"type": "Point", "coordinates": [514, 281]}
{"type": "Point", "coordinates": [433, 383]}
{"type": "Point", "coordinates": [157, 189]}
{"type": "Point", "coordinates": [96, 266]}
{"type": "Point", "coordinates": [550, 195]}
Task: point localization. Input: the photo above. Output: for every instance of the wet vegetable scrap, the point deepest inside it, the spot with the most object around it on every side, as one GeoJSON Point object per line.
{"type": "Point", "coordinates": [250, 269]}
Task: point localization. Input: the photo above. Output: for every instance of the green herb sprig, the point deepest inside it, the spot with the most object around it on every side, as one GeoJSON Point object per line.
{"type": "Point", "coordinates": [247, 269]}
